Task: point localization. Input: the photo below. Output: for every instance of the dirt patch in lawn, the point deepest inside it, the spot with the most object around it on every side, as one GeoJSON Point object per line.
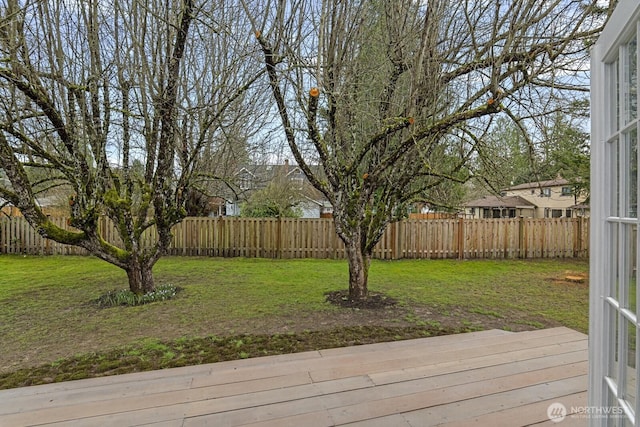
{"type": "Point", "coordinates": [260, 337]}
{"type": "Point", "coordinates": [375, 300]}
{"type": "Point", "coordinates": [473, 319]}
{"type": "Point", "coordinates": [570, 278]}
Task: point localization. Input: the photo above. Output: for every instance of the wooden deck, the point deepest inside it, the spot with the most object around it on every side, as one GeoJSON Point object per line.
{"type": "Point", "coordinates": [489, 378]}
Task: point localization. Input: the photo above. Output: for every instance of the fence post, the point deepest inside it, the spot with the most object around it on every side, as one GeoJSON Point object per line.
{"type": "Point", "coordinates": [521, 249]}
{"type": "Point", "coordinates": [398, 232]}
{"type": "Point", "coordinates": [279, 239]}
{"type": "Point", "coordinates": [461, 238]}
{"type": "Point", "coordinates": [578, 237]}
{"type": "Point", "coordinates": [220, 245]}
{"type": "Point", "coordinates": [2, 234]}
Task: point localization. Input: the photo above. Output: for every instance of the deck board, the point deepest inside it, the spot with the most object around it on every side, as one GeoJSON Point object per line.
{"type": "Point", "coordinates": [534, 411]}
{"type": "Point", "coordinates": [480, 378]}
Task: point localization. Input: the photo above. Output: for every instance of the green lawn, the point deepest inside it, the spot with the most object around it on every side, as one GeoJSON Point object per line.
{"type": "Point", "coordinates": [230, 308]}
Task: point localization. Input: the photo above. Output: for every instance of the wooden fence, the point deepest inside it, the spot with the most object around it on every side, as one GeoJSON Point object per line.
{"type": "Point", "coordinates": [316, 238]}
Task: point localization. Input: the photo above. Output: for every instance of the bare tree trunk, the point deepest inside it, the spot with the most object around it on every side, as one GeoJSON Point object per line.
{"type": "Point", "coordinates": [359, 262]}
{"type": "Point", "coordinates": [140, 277]}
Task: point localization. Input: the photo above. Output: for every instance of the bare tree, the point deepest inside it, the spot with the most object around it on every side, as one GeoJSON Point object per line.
{"type": "Point", "coordinates": [115, 103]}
{"type": "Point", "coordinates": [393, 97]}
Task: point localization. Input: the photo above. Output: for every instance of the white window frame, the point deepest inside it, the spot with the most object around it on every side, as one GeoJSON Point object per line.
{"type": "Point", "coordinates": [614, 252]}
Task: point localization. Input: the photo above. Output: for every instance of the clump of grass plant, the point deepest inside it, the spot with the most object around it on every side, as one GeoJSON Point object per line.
{"type": "Point", "coordinates": [124, 297]}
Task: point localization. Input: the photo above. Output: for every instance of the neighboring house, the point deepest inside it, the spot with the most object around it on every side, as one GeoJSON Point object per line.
{"type": "Point", "coordinates": [53, 202]}
{"type": "Point", "coordinates": [545, 199]}
{"type": "Point", "coordinates": [553, 198]}
{"type": "Point", "coordinates": [499, 207]}
{"type": "Point", "coordinates": [8, 209]}
{"type": "Point", "coordinates": [50, 205]}
{"type": "Point", "coordinates": [256, 177]}
{"type": "Point", "coordinates": [216, 206]}
{"type": "Point", "coordinates": [316, 207]}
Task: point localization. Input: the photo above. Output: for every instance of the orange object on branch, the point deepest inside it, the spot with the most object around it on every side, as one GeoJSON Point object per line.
{"type": "Point", "coordinates": [314, 92]}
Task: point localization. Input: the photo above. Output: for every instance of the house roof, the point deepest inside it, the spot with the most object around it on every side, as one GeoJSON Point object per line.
{"type": "Point", "coordinates": [47, 201]}
{"type": "Point", "coordinates": [41, 201]}
{"type": "Point", "coordinates": [268, 172]}
{"type": "Point", "coordinates": [500, 202]}
{"type": "Point", "coordinates": [538, 184]}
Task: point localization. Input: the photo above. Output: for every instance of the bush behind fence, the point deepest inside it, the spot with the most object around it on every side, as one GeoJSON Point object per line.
{"type": "Point", "coordinates": [316, 238]}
